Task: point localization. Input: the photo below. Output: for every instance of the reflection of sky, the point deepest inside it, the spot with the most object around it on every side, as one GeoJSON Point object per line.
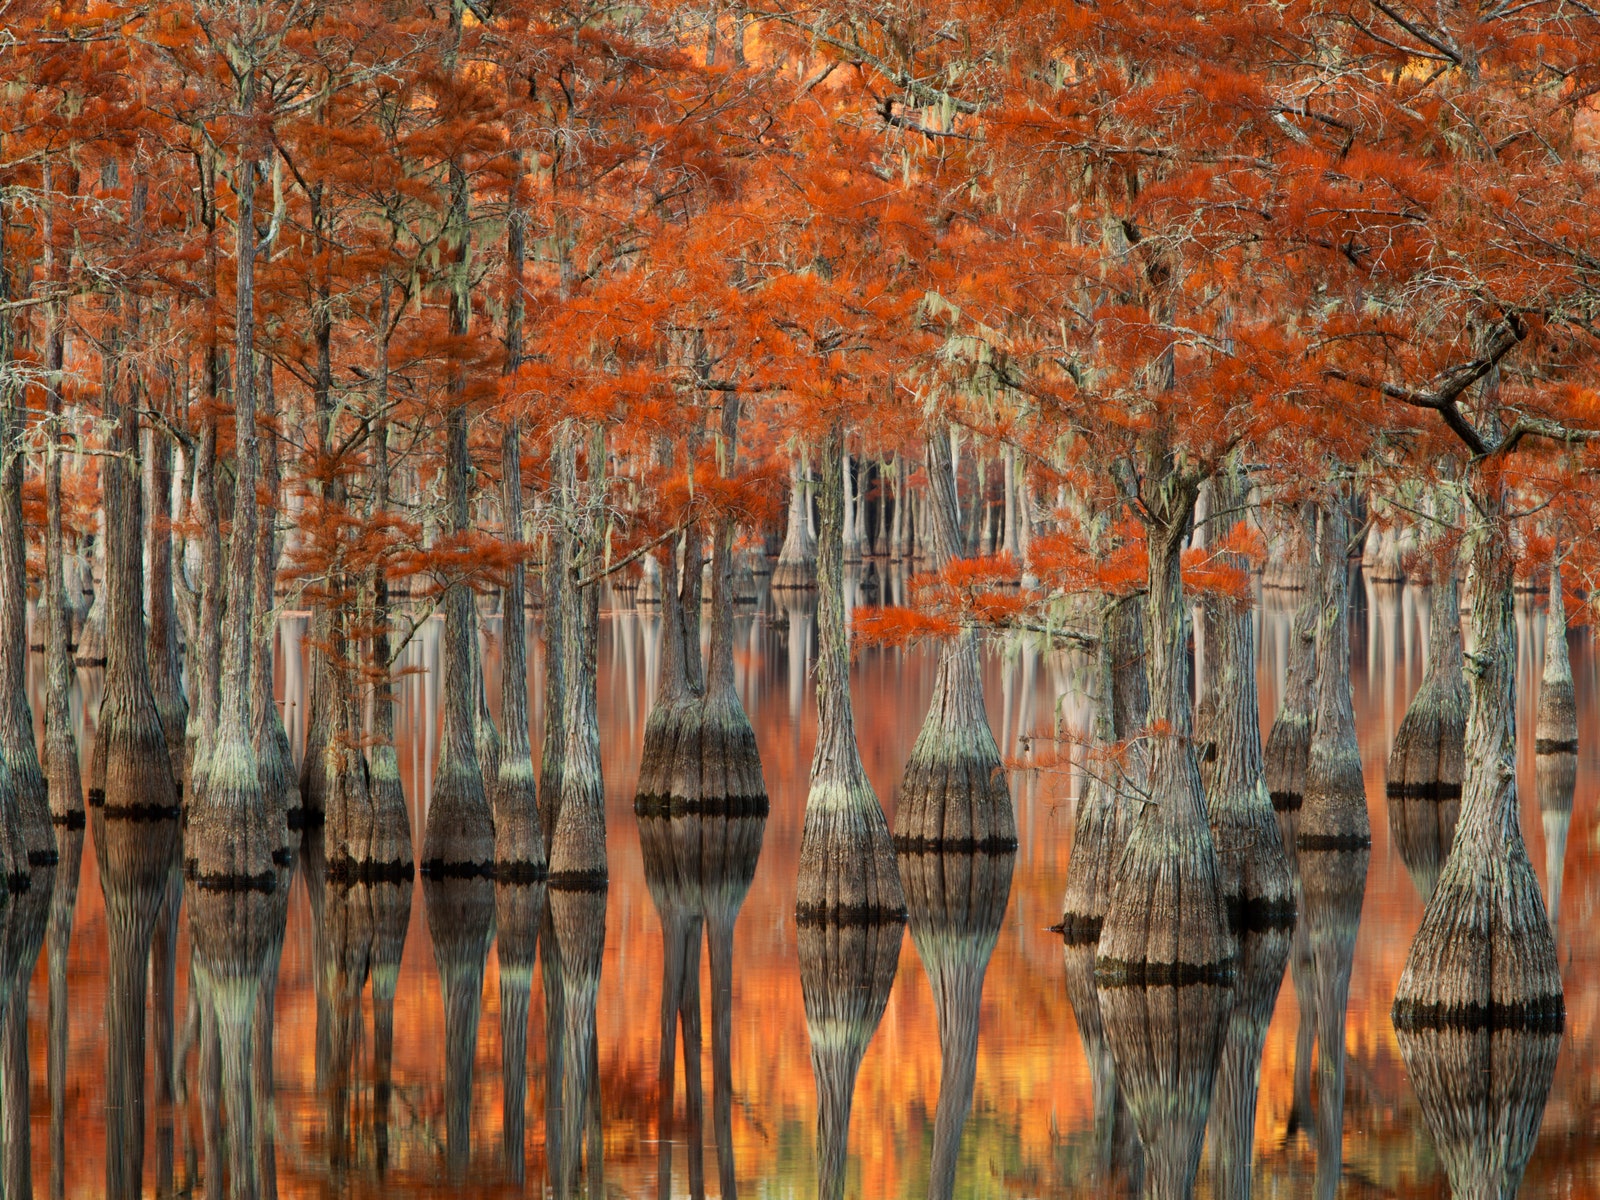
{"type": "Point", "coordinates": [1031, 1127]}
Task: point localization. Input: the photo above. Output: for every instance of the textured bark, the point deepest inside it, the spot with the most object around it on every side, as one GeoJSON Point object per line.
{"type": "Point", "coordinates": [1166, 1043]}
{"type": "Point", "coordinates": [578, 850]}
{"type": "Point", "coordinates": [61, 763]}
{"type": "Point", "coordinates": [274, 759]}
{"type": "Point", "coordinates": [161, 627]}
{"type": "Point", "coordinates": [392, 908]}
{"type": "Point", "coordinates": [58, 944]}
{"type": "Point", "coordinates": [847, 866]}
{"type": "Point", "coordinates": [557, 599]}
{"type": "Point", "coordinates": [797, 561]}
{"type": "Point", "coordinates": [1263, 955]}
{"type": "Point", "coordinates": [461, 926]}
{"type": "Point", "coordinates": [1557, 728]}
{"type": "Point", "coordinates": [1333, 884]}
{"type": "Point", "coordinates": [846, 975]}
{"type": "Point", "coordinates": [953, 795]}
{"type": "Point", "coordinates": [263, 1027]}
{"type": "Point", "coordinates": [164, 955]}
{"type": "Point", "coordinates": [1256, 884]}
{"type": "Point", "coordinates": [1166, 921]}
{"type": "Point", "coordinates": [519, 913]}
{"type": "Point", "coordinates": [1107, 808]}
{"type": "Point", "coordinates": [1485, 954]}
{"type": "Point", "coordinates": [955, 904]}
{"type": "Point", "coordinates": [1556, 777]}
{"type": "Point", "coordinates": [1118, 1152]}
{"type": "Point", "coordinates": [460, 831]}
{"type": "Point", "coordinates": [1334, 813]}
{"type": "Point", "coordinates": [1428, 760]}
{"type": "Point", "coordinates": [1289, 743]}
{"type": "Point", "coordinates": [205, 649]}
{"type": "Point", "coordinates": [1482, 1093]}
{"type": "Point", "coordinates": [347, 944]}
{"type": "Point", "coordinates": [518, 833]}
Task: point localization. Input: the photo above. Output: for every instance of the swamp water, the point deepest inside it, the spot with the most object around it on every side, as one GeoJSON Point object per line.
{"type": "Point", "coordinates": [743, 1113]}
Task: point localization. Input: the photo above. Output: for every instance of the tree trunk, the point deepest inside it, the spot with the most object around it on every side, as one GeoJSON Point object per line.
{"type": "Point", "coordinates": [24, 936]}
{"type": "Point", "coordinates": [1289, 743]}
{"type": "Point", "coordinates": [1485, 954]}
{"type": "Point", "coordinates": [519, 907]}
{"type": "Point", "coordinates": [461, 926]}
{"type": "Point", "coordinates": [519, 836]}
{"type": "Point", "coordinates": [1428, 759]}
{"type": "Point", "coordinates": [274, 758]}
{"type": "Point", "coordinates": [1263, 955]}
{"type": "Point", "coordinates": [1166, 922]}
{"type": "Point", "coordinates": [161, 631]}
{"type": "Point", "coordinates": [1333, 816]}
{"type": "Point", "coordinates": [1256, 885]}
{"type": "Point", "coordinates": [58, 944]}
{"type": "Point", "coordinates": [797, 561]}
{"type": "Point", "coordinates": [847, 866]}
{"type": "Point", "coordinates": [953, 795]}
{"type": "Point", "coordinates": [557, 598]}
{"type": "Point", "coordinates": [1557, 728]}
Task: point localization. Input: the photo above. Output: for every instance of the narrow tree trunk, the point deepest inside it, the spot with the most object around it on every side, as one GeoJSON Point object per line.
{"type": "Point", "coordinates": [557, 598]}
{"type": "Point", "coordinates": [953, 795]}
{"type": "Point", "coordinates": [1289, 743]}
{"type": "Point", "coordinates": [274, 759]}
{"type": "Point", "coordinates": [1333, 816]}
{"type": "Point", "coordinates": [797, 561]}
{"type": "Point", "coordinates": [520, 907]}
{"type": "Point", "coordinates": [161, 631]}
{"type": "Point", "coordinates": [1262, 958]}
{"type": "Point", "coordinates": [461, 926]}
{"type": "Point", "coordinates": [58, 944]}
{"type": "Point", "coordinates": [519, 836]}
{"type": "Point", "coordinates": [1256, 885]}
{"type": "Point", "coordinates": [1485, 954]}
{"type": "Point", "coordinates": [847, 866]}
{"type": "Point", "coordinates": [1557, 728]}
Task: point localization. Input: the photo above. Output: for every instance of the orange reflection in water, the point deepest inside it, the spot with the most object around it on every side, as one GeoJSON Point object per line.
{"type": "Point", "coordinates": [1030, 1128]}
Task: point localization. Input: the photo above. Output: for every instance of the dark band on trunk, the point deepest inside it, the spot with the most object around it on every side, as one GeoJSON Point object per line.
{"type": "Point", "coordinates": [1436, 790]}
{"type": "Point", "coordinates": [852, 916]}
{"type": "Point", "coordinates": [1554, 746]}
{"type": "Point", "coordinates": [1287, 801]}
{"type": "Point", "coordinates": [1542, 1014]}
{"type": "Point", "coordinates": [1334, 841]}
{"type": "Point", "coordinates": [579, 881]}
{"type": "Point", "coordinates": [437, 868]}
{"type": "Point", "coordinates": [1114, 972]}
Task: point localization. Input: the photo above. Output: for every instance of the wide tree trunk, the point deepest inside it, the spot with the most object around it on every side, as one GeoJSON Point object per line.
{"type": "Point", "coordinates": [1107, 807]}
{"type": "Point", "coordinates": [1485, 953]}
{"type": "Point", "coordinates": [953, 795]}
{"type": "Point", "coordinates": [1166, 922]}
{"type": "Point", "coordinates": [1256, 884]}
{"type": "Point", "coordinates": [847, 865]}
{"type": "Point", "coordinates": [1428, 760]}
{"type": "Point", "coordinates": [846, 974]}
{"type": "Point", "coordinates": [955, 904]}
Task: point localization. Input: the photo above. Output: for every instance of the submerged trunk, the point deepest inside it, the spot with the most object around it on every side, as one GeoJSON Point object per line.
{"type": "Point", "coordinates": [953, 795]}
{"type": "Point", "coordinates": [846, 975]}
{"type": "Point", "coordinates": [58, 944]}
{"type": "Point", "coordinates": [1250, 856]}
{"type": "Point", "coordinates": [1485, 954]}
{"type": "Point", "coordinates": [25, 925]}
{"type": "Point", "coordinates": [1334, 813]}
{"type": "Point", "coordinates": [847, 865]}
{"type": "Point", "coordinates": [797, 561]}
{"type": "Point", "coordinates": [1428, 760]}
{"type": "Point", "coordinates": [1118, 1153]}
{"type": "Point", "coordinates": [578, 919]}
{"type": "Point", "coordinates": [955, 904]}
{"type": "Point", "coordinates": [1556, 777]}
{"type": "Point", "coordinates": [1107, 808]}
{"type": "Point", "coordinates": [519, 908]}
{"type": "Point", "coordinates": [1166, 922]}
{"type": "Point", "coordinates": [1333, 886]}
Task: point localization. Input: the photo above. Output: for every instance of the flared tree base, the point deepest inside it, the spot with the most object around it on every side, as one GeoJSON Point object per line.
{"type": "Point", "coordinates": [848, 874]}
{"type": "Point", "coordinates": [792, 575]}
{"type": "Point", "coordinates": [459, 843]}
{"type": "Point", "coordinates": [955, 802]}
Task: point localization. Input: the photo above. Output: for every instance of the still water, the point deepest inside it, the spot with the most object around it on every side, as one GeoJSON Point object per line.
{"type": "Point", "coordinates": [1032, 1128]}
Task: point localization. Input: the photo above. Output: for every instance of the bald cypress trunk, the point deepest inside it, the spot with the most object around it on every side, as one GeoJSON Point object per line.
{"type": "Point", "coordinates": [953, 795]}
{"type": "Point", "coordinates": [1166, 921]}
{"type": "Point", "coordinates": [274, 759]}
{"type": "Point", "coordinates": [461, 926]}
{"type": "Point", "coordinates": [1485, 953]}
{"type": "Point", "coordinates": [520, 907]}
{"type": "Point", "coordinates": [847, 865]}
{"type": "Point", "coordinates": [161, 630]}
{"type": "Point", "coordinates": [1263, 955]}
{"type": "Point", "coordinates": [1557, 728]}
{"type": "Point", "coordinates": [1250, 856]}
{"type": "Point", "coordinates": [519, 837]}
{"type": "Point", "coordinates": [578, 850]}
{"type": "Point", "coordinates": [1289, 743]}
{"type": "Point", "coordinates": [1428, 759]}
{"type": "Point", "coordinates": [797, 561]}
{"type": "Point", "coordinates": [557, 597]}
{"type": "Point", "coordinates": [58, 944]}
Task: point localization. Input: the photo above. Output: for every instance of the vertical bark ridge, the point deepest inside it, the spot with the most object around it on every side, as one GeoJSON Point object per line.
{"type": "Point", "coordinates": [847, 863]}
{"type": "Point", "coordinates": [1289, 742]}
{"type": "Point", "coordinates": [519, 912]}
{"type": "Point", "coordinates": [1557, 728]}
{"type": "Point", "coordinates": [518, 834]}
{"type": "Point", "coordinates": [460, 914]}
{"type": "Point", "coordinates": [797, 560]}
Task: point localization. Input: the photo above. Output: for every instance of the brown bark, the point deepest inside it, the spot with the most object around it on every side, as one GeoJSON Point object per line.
{"type": "Point", "coordinates": [1485, 953]}
{"type": "Point", "coordinates": [1289, 743]}
{"type": "Point", "coordinates": [161, 629]}
{"type": "Point", "coordinates": [847, 865]}
{"type": "Point", "coordinates": [846, 975]}
{"type": "Point", "coordinates": [557, 598]}
{"type": "Point", "coordinates": [1557, 729]}
{"type": "Point", "coordinates": [1428, 759]}
{"type": "Point", "coordinates": [1263, 955]}
{"type": "Point", "coordinates": [1333, 815]}
{"type": "Point", "coordinates": [58, 944]}
{"type": "Point", "coordinates": [518, 834]}
{"type": "Point", "coordinates": [953, 795]}
{"type": "Point", "coordinates": [1166, 921]}
{"type": "Point", "coordinates": [1256, 885]}
{"type": "Point", "coordinates": [26, 919]}
{"type": "Point", "coordinates": [274, 758]}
